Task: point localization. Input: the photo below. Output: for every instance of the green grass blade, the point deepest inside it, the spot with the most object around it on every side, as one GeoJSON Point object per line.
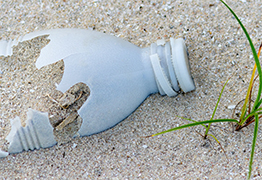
{"type": "Point", "coordinates": [253, 146]}
{"type": "Point", "coordinates": [214, 112]}
{"type": "Point", "coordinates": [195, 124]}
{"type": "Point", "coordinates": [191, 120]}
{"type": "Point", "coordinates": [258, 54]}
{"type": "Point", "coordinates": [244, 108]}
{"type": "Point", "coordinates": [248, 96]}
{"type": "Point", "coordinates": [259, 103]}
{"type": "Point", "coordinates": [220, 95]}
{"type": "Point", "coordinates": [257, 111]}
{"type": "Point", "coordinates": [254, 54]}
{"type": "Point", "coordinates": [207, 134]}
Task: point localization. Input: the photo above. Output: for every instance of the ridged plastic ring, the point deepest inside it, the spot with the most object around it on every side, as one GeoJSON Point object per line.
{"type": "Point", "coordinates": [161, 77]}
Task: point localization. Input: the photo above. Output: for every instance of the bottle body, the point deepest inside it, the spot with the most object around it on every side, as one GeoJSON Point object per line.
{"type": "Point", "coordinates": [119, 77]}
{"type": "Point", "coordinates": [119, 74]}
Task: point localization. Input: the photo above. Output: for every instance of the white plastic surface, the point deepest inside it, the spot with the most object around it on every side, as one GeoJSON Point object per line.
{"type": "Point", "coordinates": [181, 65]}
{"type": "Point", "coordinates": [117, 79]}
{"type": "Point", "coordinates": [171, 70]}
{"type": "Point", "coordinates": [161, 77]}
{"type": "Point", "coordinates": [64, 42]}
{"type": "Point", "coordinates": [119, 74]}
{"type": "Point", "coordinates": [38, 133]}
{"type": "Point", "coordinates": [3, 154]}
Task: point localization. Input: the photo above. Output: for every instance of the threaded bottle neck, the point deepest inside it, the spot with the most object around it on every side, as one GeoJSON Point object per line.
{"type": "Point", "coordinates": [170, 64]}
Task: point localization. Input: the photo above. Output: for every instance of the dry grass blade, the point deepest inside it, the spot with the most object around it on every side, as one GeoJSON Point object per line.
{"type": "Point", "coordinates": [251, 83]}
{"type": "Point", "coordinates": [248, 99]}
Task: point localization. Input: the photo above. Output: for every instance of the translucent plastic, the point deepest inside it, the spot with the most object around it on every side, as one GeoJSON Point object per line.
{"type": "Point", "coordinates": [119, 74]}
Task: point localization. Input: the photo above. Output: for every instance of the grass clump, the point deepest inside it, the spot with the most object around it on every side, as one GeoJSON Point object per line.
{"type": "Point", "coordinates": [249, 113]}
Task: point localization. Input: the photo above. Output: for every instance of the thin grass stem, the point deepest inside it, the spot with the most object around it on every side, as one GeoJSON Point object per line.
{"type": "Point", "coordinates": [218, 143]}
{"type": "Point", "coordinates": [253, 145]}
{"type": "Point", "coordinates": [254, 55]}
{"type": "Point", "coordinates": [214, 112]}
{"type": "Point", "coordinates": [248, 96]}
{"type": "Point", "coordinates": [257, 111]}
{"type": "Point", "coordinates": [195, 124]}
{"type": "Point", "coordinates": [191, 120]}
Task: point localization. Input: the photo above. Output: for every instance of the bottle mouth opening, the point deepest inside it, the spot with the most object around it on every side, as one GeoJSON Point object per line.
{"type": "Point", "coordinates": [181, 65]}
{"type": "Point", "coordinates": [171, 67]}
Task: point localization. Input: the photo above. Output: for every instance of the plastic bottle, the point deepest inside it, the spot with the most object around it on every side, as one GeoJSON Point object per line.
{"type": "Point", "coordinates": [119, 74]}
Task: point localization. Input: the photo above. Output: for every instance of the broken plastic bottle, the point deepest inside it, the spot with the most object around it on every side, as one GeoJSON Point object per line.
{"type": "Point", "coordinates": [120, 75]}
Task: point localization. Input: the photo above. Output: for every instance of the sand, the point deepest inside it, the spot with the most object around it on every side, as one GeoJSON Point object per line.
{"type": "Point", "coordinates": [218, 50]}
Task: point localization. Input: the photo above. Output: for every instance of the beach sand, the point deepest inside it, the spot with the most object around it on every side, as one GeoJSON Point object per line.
{"type": "Point", "coordinates": [217, 49]}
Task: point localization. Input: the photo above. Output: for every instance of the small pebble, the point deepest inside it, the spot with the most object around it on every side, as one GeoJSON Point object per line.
{"type": "Point", "coordinates": [231, 106]}
{"type": "Point", "coordinates": [144, 146]}
{"type": "Point", "coordinates": [74, 145]}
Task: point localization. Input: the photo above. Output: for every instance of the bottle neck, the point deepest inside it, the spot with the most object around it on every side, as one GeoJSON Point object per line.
{"type": "Point", "coordinates": [169, 62]}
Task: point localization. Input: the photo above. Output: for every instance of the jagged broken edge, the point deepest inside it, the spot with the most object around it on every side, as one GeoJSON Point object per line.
{"type": "Point", "coordinates": [3, 154]}
{"type": "Point", "coordinates": [38, 133]}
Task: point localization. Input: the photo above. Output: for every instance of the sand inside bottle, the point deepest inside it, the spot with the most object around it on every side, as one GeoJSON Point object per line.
{"type": "Point", "coordinates": [23, 86]}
